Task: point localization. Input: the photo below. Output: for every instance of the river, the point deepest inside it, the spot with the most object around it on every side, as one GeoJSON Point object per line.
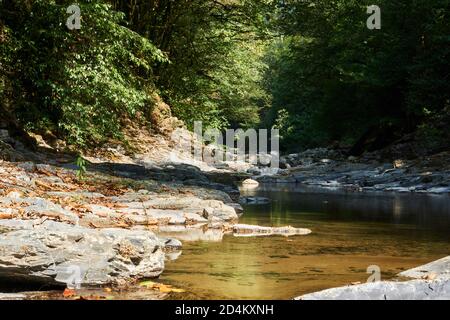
{"type": "Point", "coordinates": [351, 231]}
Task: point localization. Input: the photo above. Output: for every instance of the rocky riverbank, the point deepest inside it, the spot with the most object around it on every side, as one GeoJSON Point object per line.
{"type": "Point", "coordinates": [117, 224]}
{"type": "Point", "coordinates": [331, 169]}
{"type": "Point", "coordinates": [112, 228]}
{"type": "Point", "coordinates": [102, 230]}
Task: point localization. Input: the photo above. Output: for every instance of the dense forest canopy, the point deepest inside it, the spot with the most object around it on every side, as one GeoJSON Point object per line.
{"type": "Point", "coordinates": [311, 68]}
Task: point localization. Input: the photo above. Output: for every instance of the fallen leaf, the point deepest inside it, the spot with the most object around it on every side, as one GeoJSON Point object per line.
{"type": "Point", "coordinates": [4, 215]}
{"type": "Point", "coordinates": [165, 289]}
{"type": "Point", "coordinates": [42, 185]}
{"type": "Point", "coordinates": [68, 293]}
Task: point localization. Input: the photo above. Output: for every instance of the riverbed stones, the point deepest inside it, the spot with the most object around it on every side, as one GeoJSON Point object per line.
{"type": "Point", "coordinates": [363, 175]}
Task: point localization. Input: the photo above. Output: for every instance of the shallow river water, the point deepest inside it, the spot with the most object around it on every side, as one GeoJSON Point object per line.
{"type": "Point", "coordinates": [350, 232]}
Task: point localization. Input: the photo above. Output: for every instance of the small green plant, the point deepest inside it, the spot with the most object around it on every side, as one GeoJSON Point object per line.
{"type": "Point", "coordinates": [81, 164]}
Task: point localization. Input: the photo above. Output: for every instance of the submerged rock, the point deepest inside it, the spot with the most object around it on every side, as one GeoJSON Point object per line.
{"type": "Point", "coordinates": [245, 230]}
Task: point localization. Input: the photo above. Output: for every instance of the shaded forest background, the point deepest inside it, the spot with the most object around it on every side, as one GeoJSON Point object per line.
{"type": "Point", "coordinates": [310, 68]}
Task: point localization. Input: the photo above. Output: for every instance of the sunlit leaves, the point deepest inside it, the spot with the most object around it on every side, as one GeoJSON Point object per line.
{"type": "Point", "coordinates": [82, 81]}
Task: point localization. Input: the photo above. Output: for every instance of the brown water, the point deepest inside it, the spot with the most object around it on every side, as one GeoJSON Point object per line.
{"type": "Point", "coordinates": [351, 231]}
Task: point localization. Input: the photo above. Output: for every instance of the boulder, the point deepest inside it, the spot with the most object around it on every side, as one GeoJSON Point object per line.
{"type": "Point", "coordinates": [180, 210]}
{"type": "Point", "coordinates": [54, 252]}
{"type": "Point", "coordinates": [250, 183]}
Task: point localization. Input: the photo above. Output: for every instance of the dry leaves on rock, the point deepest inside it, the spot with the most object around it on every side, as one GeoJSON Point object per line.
{"type": "Point", "coordinates": [4, 215]}
{"type": "Point", "coordinates": [69, 293]}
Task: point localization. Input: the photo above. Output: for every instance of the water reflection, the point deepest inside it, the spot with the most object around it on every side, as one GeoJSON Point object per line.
{"type": "Point", "coordinates": [351, 231]}
{"type": "Point", "coordinates": [428, 211]}
{"type": "Point", "coordinates": [191, 233]}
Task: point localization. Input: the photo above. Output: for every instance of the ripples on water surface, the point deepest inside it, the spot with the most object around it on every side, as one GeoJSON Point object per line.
{"type": "Point", "coordinates": [350, 232]}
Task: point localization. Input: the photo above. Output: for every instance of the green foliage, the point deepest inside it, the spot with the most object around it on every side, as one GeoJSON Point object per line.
{"type": "Point", "coordinates": [81, 82]}
{"type": "Point", "coordinates": [310, 68]}
{"type": "Point", "coordinates": [81, 164]}
{"type": "Point", "coordinates": [231, 95]}
{"type": "Point", "coordinates": [215, 51]}
{"type": "Point", "coordinates": [336, 79]}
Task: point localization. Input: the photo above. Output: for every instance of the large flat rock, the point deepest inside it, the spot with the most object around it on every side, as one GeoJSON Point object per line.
{"type": "Point", "coordinates": [55, 252]}
{"type": "Point", "coordinates": [386, 290]}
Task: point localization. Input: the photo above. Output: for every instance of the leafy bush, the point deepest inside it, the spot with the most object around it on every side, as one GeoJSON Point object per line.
{"type": "Point", "coordinates": [80, 82]}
